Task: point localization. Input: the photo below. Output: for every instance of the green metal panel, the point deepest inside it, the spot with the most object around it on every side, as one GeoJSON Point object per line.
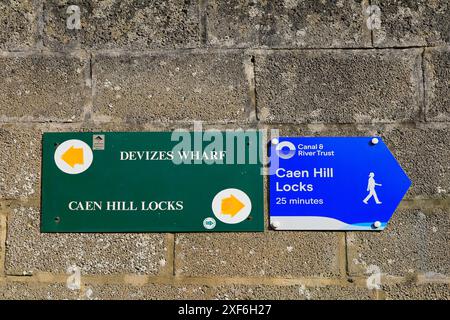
{"type": "Point", "coordinates": [142, 184]}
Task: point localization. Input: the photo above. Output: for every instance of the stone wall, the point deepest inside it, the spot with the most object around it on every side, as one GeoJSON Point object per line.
{"type": "Point", "coordinates": [308, 68]}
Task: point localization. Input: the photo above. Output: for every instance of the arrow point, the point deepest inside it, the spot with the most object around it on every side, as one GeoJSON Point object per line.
{"type": "Point", "coordinates": [231, 206]}
{"type": "Point", "coordinates": [73, 156]}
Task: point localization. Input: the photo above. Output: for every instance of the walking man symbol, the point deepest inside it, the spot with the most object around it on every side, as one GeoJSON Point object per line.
{"type": "Point", "coordinates": [371, 184]}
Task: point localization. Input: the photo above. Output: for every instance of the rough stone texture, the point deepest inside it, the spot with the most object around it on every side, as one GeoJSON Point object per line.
{"type": "Point", "coordinates": [171, 87]}
{"type": "Point", "coordinates": [43, 87]}
{"type": "Point", "coordinates": [415, 241]}
{"type": "Point", "coordinates": [412, 23]}
{"type": "Point", "coordinates": [437, 71]}
{"type": "Point", "coordinates": [297, 292]}
{"type": "Point", "coordinates": [287, 23]}
{"type": "Point", "coordinates": [44, 291]}
{"type": "Point", "coordinates": [424, 155]}
{"type": "Point", "coordinates": [28, 250]}
{"type": "Point", "coordinates": [116, 24]}
{"type": "Point", "coordinates": [3, 226]}
{"type": "Point", "coordinates": [421, 150]}
{"type": "Point", "coordinates": [35, 291]}
{"type": "Point", "coordinates": [282, 254]}
{"type": "Point", "coordinates": [317, 87]}
{"type": "Point", "coordinates": [20, 161]}
{"type": "Point", "coordinates": [17, 24]}
{"type": "Point", "coordinates": [150, 291]}
{"type": "Point", "coordinates": [430, 291]}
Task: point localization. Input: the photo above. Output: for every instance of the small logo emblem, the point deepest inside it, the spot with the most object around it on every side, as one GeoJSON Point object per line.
{"type": "Point", "coordinates": [209, 223]}
{"type": "Point", "coordinates": [98, 142]}
{"type": "Point", "coordinates": [285, 149]}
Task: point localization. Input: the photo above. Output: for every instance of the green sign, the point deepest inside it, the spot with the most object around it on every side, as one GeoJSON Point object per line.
{"type": "Point", "coordinates": [152, 182]}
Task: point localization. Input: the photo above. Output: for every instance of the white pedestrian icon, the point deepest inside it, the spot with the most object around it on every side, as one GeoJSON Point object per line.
{"type": "Point", "coordinates": [371, 184]}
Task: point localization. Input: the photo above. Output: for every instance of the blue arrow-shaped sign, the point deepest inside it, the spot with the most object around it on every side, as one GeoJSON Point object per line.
{"type": "Point", "coordinates": [333, 183]}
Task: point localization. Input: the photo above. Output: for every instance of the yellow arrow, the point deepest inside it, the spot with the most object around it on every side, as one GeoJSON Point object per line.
{"type": "Point", "coordinates": [73, 156]}
{"type": "Point", "coordinates": [231, 205]}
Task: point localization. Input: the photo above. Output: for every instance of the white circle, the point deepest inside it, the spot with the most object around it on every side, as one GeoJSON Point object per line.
{"type": "Point", "coordinates": [79, 161]}
{"type": "Point", "coordinates": [209, 223]}
{"type": "Point", "coordinates": [275, 141]}
{"type": "Point", "coordinates": [239, 199]}
{"type": "Point", "coordinates": [285, 144]}
{"type": "Point", "coordinates": [377, 224]}
{"type": "Point", "coordinates": [374, 141]}
{"type": "Point", "coordinates": [275, 224]}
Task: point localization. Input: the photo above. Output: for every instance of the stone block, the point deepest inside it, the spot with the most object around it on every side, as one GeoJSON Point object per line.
{"type": "Point", "coordinates": [43, 87]}
{"type": "Point", "coordinates": [437, 84]}
{"type": "Point", "coordinates": [268, 254]}
{"type": "Point", "coordinates": [412, 23]}
{"type": "Point", "coordinates": [18, 21]}
{"type": "Point", "coordinates": [118, 24]}
{"type": "Point", "coordinates": [208, 87]}
{"type": "Point", "coordinates": [293, 292]}
{"type": "Point", "coordinates": [430, 291]}
{"type": "Point", "coordinates": [288, 23]}
{"type": "Point", "coordinates": [339, 86]}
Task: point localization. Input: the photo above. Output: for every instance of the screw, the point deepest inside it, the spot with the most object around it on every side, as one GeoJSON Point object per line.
{"type": "Point", "coordinates": [275, 141]}
{"type": "Point", "coordinates": [374, 141]}
{"type": "Point", "coordinates": [377, 224]}
{"type": "Point", "coordinates": [275, 224]}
